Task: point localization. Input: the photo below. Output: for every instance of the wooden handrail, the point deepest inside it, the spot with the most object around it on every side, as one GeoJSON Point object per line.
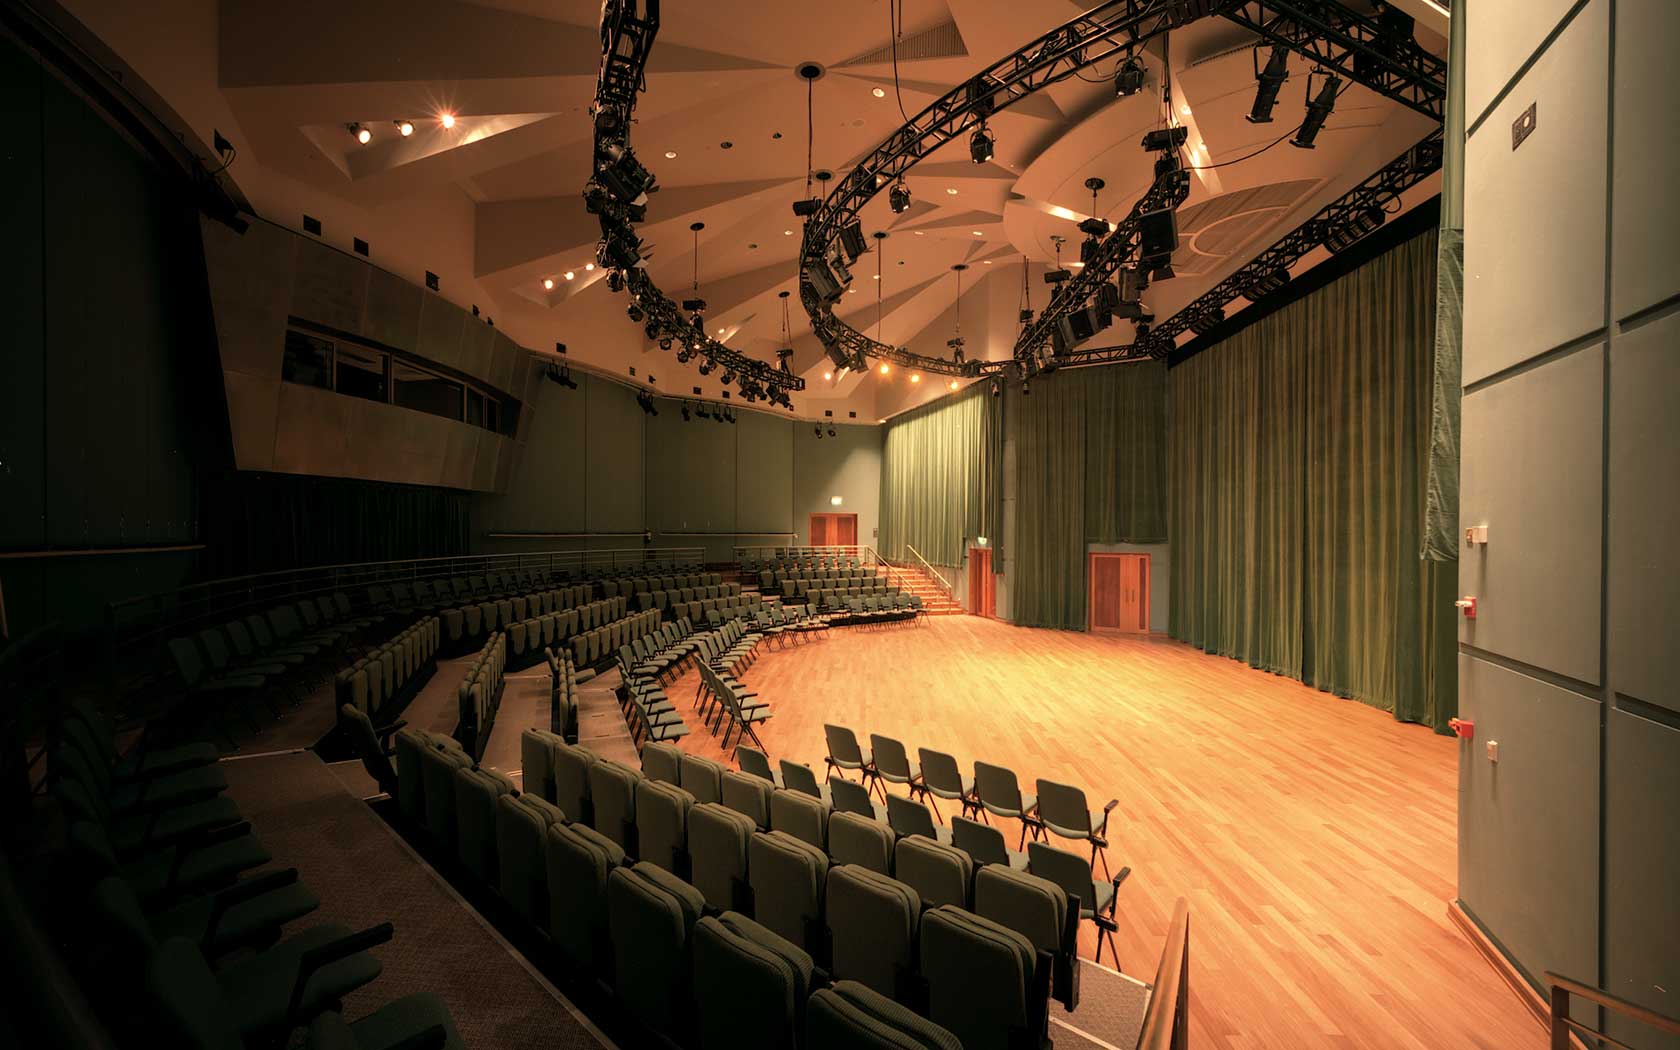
{"type": "Point", "coordinates": [1562, 1024]}
{"type": "Point", "coordinates": [1166, 1022]}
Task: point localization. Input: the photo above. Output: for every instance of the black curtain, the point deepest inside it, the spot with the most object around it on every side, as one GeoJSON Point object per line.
{"type": "Point", "coordinates": [266, 522]}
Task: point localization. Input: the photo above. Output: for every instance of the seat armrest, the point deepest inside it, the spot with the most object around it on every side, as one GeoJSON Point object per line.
{"type": "Point", "coordinates": [1102, 829]}
{"type": "Point", "coordinates": [239, 893]}
{"type": "Point", "coordinates": [327, 954]}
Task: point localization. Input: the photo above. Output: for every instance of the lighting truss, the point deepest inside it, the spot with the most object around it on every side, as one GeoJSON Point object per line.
{"type": "Point", "coordinates": [626, 43]}
{"type": "Point", "coordinates": [1325, 31]}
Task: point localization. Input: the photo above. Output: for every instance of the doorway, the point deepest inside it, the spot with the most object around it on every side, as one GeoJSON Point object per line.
{"type": "Point", "coordinates": [834, 530]}
{"type": "Point", "coordinates": [982, 585]}
{"type": "Point", "coordinates": [1119, 593]}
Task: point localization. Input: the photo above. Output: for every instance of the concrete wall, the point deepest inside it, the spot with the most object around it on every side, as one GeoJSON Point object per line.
{"type": "Point", "coordinates": [590, 462]}
{"type": "Point", "coordinates": [1568, 850]}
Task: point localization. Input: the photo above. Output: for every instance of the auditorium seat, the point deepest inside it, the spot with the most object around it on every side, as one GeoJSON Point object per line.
{"type": "Point", "coordinates": [536, 762]}
{"type": "Point", "coordinates": [748, 795]}
{"type": "Point", "coordinates": [579, 861]}
{"type": "Point", "coordinates": [652, 918]}
{"type": "Point", "coordinates": [373, 746]}
{"type": "Point", "coordinates": [848, 1016]}
{"type": "Point", "coordinates": [247, 914]}
{"type": "Point", "coordinates": [522, 823]}
{"type": "Point", "coordinates": [800, 815]}
{"type": "Point", "coordinates": [701, 777]}
{"type": "Point", "coordinates": [787, 878]}
{"type": "Point", "coordinates": [89, 728]}
{"type": "Point", "coordinates": [983, 981]}
{"type": "Point", "coordinates": [909, 817]}
{"type": "Point", "coordinates": [718, 842]}
{"type": "Point", "coordinates": [438, 763]}
{"type": "Point", "coordinates": [750, 985]}
{"type": "Point", "coordinates": [845, 754]}
{"type": "Point", "coordinates": [662, 825]}
{"type": "Point", "coordinates": [1038, 910]}
{"type": "Point", "coordinates": [849, 797]}
{"type": "Point", "coordinates": [940, 874]}
{"type": "Point", "coordinates": [859, 840]}
{"type": "Point", "coordinates": [172, 873]}
{"type": "Point", "coordinates": [476, 792]}
{"type": "Point", "coordinates": [796, 776]}
{"type": "Point", "coordinates": [612, 792]}
{"type": "Point", "coordinates": [872, 929]}
{"type": "Point", "coordinates": [753, 762]}
{"type": "Point", "coordinates": [572, 763]}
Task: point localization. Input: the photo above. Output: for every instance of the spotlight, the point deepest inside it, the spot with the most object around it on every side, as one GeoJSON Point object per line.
{"type": "Point", "coordinates": [685, 412]}
{"type": "Point", "coordinates": [728, 377]}
{"type": "Point", "coordinates": [363, 135]}
{"type": "Point", "coordinates": [665, 342]}
{"type": "Point", "coordinates": [885, 368]}
{"type": "Point", "coordinates": [1164, 140]}
{"type": "Point", "coordinates": [548, 284]}
{"type": "Point", "coordinates": [706, 367]}
{"type": "Point", "coordinates": [1270, 81]}
{"type": "Point", "coordinates": [1054, 277]}
{"type": "Point", "coordinates": [953, 384]}
{"type": "Point", "coordinates": [615, 282]}
{"type": "Point", "coordinates": [1318, 110]}
{"type": "Point", "coordinates": [915, 377]}
{"type": "Point", "coordinates": [683, 356]}
{"type": "Point", "coordinates": [447, 119]}
{"type": "Point", "coordinates": [635, 313]}
{"type": "Point", "coordinates": [997, 389]}
{"type": "Point", "coordinates": [405, 128]}
{"type": "Point", "coordinates": [1207, 320]}
{"type": "Point", "coordinates": [1359, 223]}
{"type": "Point", "coordinates": [831, 431]}
{"type": "Point", "coordinates": [652, 331]}
{"type": "Point", "coordinates": [570, 274]}
{"type": "Point", "coordinates": [618, 170]}
{"type": "Point", "coordinates": [817, 430]}
{"type": "Point", "coordinates": [695, 305]}
{"type": "Point", "coordinates": [1265, 284]}
{"type": "Point", "coordinates": [1128, 79]}
{"type": "Point", "coordinates": [980, 145]}
{"type": "Point", "coordinates": [851, 239]}
{"type": "Point", "coordinates": [899, 197]}
{"type": "Point", "coordinates": [827, 376]}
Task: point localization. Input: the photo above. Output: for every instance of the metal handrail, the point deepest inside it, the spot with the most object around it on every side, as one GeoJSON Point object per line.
{"type": "Point", "coordinates": [1562, 1024]}
{"type": "Point", "coordinates": [885, 564]}
{"type": "Point", "coordinates": [950, 591]}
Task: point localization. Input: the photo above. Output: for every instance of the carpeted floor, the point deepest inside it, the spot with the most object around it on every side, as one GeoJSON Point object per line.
{"type": "Point", "coordinates": [365, 875]}
{"type": "Point", "coordinates": [1111, 1008]}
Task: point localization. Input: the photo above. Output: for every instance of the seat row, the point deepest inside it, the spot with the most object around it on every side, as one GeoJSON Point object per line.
{"type": "Point", "coordinates": [789, 562]}
{"type": "Point", "coordinates": [643, 568]}
{"type": "Point", "coordinates": [574, 612]}
{"type": "Point", "coordinates": [847, 611]}
{"type": "Point", "coordinates": [407, 596]}
{"type": "Point", "coordinates": [479, 695]}
{"type": "Point", "coordinates": [643, 583]}
{"type": "Point", "coordinates": [661, 598]}
{"type": "Point", "coordinates": [623, 891]}
{"type": "Point", "coordinates": [388, 676]}
{"type": "Point", "coordinates": [182, 948]}
{"type": "Point", "coordinates": [564, 679]}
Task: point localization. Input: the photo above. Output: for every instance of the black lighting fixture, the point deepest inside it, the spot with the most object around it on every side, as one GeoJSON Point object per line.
{"type": "Point", "coordinates": [981, 145]}
{"type": "Point", "coordinates": [1319, 108]}
{"type": "Point", "coordinates": [1207, 320]}
{"type": "Point", "coordinates": [1165, 140]}
{"type": "Point", "coordinates": [1268, 82]}
{"type": "Point", "coordinates": [1350, 231]}
{"type": "Point", "coordinates": [615, 281]}
{"type": "Point", "coordinates": [695, 305]}
{"type": "Point", "coordinates": [652, 330]}
{"type": "Point", "coordinates": [1129, 78]}
{"type": "Point", "coordinates": [898, 198]}
{"type": "Point", "coordinates": [360, 132]}
{"type": "Point", "coordinates": [851, 239]}
{"type": "Point", "coordinates": [634, 312]}
{"type": "Point", "coordinates": [622, 175]}
{"type": "Point", "coordinates": [706, 367]}
{"type": "Point", "coordinates": [685, 412]}
{"type": "Point", "coordinates": [664, 342]}
{"type": "Point", "coordinates": [684, 355]}
{"type": "Point", "coordinates": [1266, 283]}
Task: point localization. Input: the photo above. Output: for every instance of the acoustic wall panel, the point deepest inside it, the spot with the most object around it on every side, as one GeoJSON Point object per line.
{"type": "Point", "coordinates": [1528, 825]}
{"type": "Point", "coordinates": [393, 311]}
{"type": "Point", "coordinates": [23, 391]}
{"type": "Point", "coordinates": [250, 294]}
{"type": "Point", "coordinates": [442, 325]}
{"type": "Point", "coordinates": [1644, 595]}
{"type": "Point", "coordinates": [1645, 223]}
{"type": "Point", "coordinates": [505, 355]}
{"type": "Point", "coordinates": [613, 454]}
{"type": "Point", "coordinates": [476, 342]}
{"type": "Point", "coordinates": [1534, 221]}
{"type": "Point", "coordinates": [328, 286]}
{"type": "Point", "coordinates": [1501, 35]}
{"type": "Point", "coordinates": [763, 475]}
{"type": "Point", "coordinates": [847, 465]}
{"type": "Point", "coordinates": [1641, 871]}
{"type": "Point", "coordinates": [1532, 472]}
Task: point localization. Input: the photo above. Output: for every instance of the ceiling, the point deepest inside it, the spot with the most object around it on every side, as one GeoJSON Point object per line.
{"type": "Point", "coordinates": [494, 202]}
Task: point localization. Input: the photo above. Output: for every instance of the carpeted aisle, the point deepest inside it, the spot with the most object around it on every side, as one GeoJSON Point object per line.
{"type": "Point", "coordinates": [365, 875]}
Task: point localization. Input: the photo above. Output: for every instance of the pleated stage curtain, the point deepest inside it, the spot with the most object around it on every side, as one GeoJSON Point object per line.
{"type": "Point", "coordinates": [1091, 468]}
{"type": "Point", "coordinates": [1298, 457]}
{"type": "Point", "coordinates": [939, 469]}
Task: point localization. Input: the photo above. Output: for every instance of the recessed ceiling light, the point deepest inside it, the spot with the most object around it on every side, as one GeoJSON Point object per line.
{"type": "Point", "coordinates": [720, 331]}
{"type": "Point", "coordinates": [1077, 265]}
{"type": "Point", "coordinates": [988, 262]}
{"type": "Point", "coordinates": [787, 233]}
{"type": "Point", "coordinates": [828, 375]}
{"type": "Point", "coordinates": [915, 377]}
{"type": "Point", "coordinates": [851, 291]}
{"type": "Point", "coordinates": [952, 190]}
{"type": "Point", "coordinates": [570, 274]}
{"type": "Point", "coordinates": [447, 119]}
{"type": "Point", "coordinates": [405, 128]}
{"type": "Point", "coordinates": [977, 233]}
{"type": "Point", "coordinates": [548, 284]}
{"type": "Point", "coordinates": [953, 384]}
{"type": "Point", "coordinates": [726, 144]}
{"type": "Point", "coordinates": [670, 154]}
{"type": "Point", "coordinates": [589, 266]}
{"type": "Point", "coordinates": [919, 233]}
{"type": "Point", "coordinates": [879, 93]}
{"type": "Point", "coordinates": [876, 276]}
{"type": "Point", "coordinates": [885, 368]}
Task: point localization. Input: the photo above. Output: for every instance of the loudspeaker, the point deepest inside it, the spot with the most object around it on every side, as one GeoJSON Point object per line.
{"type": "Point", "coordinates": [1158, 232]}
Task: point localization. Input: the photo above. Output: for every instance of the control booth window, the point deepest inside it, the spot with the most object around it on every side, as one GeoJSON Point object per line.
{"type": "Point", "coordinates": [361, 373]}
{"type": "Point", "coordinates": [329, 362]}
{"type": "Point", "coordinates": [308, 360]}
{"type": "Point", "coordinates": [416, 388]}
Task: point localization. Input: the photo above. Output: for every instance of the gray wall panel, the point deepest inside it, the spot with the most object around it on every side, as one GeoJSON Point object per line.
{"type": "Point", "coordinates": [615, 487]}
{"type": "Point", "coordinates": [443, 327]}
{"type": "Point", "coordinates": [763, 474]}
{"type": "Point", "coordinates": [329, 287]}
{"type": "Point", "coordinates": [250, 294]}
{"type": "Point", "coordinates": [1646, 210]}
{"type": "Point", "coordinates": [1528, 824]}
{"type": "Point", "coordinates": [1642, 872]}
{"type": "Point", "coordinates": [1532, 471]}
{"type": "Point", "coordinates": [1501, 34]}
{"type": "Point", "coordinates": [393, 311]}
{"type": "Point", "coordinates": [253, 408]}
{"type": "Point", "coordinates": [1533, 217]}
{"type": "Point", "coordinates": [1644, 606]}
{"type": "Point", "coordinates": [23, 392]}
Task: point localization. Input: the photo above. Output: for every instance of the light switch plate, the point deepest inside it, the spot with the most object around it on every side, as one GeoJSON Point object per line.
{"type": "Point", "coordinates": [1493, 750]}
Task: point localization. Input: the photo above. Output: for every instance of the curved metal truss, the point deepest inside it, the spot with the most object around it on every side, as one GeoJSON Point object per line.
{"type": "Point", "coordinates": [1335, 38]}
{"type": "Point", "coordinates": [626, 42]}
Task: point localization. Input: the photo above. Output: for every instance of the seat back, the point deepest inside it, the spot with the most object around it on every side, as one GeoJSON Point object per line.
{"type": "Point", "coordinates": [1034, 907]}
{"type": "Point", "coordinates": [662, 825]}
{"type": "Point", "coordinates": [787, 878]}
{"type": "Point", "coordinates": [753, 762]}
{"type": "Point", "coordinates": [536, 761]}
{"type": "Point", "coordinates": [522, 825]}
{"type": "Point", "coordinates": [997, 788]}
{"type": "Point", "coordinates": [981, 841]}
{"type": "Point", "coordinates": [476, 791]}
{"type": "Point", "coordinates": [890, 759]}
{"type": "Point", "coordinates": [980, 980]}
{"type": "Point", "coordinates": [872, 925]}
{"type": "Point", "coordinates": [1068, 871]}
{"type": "Point", "coordinates": [800, 815]}
{"type": "Point", "coordinates": [612, 791]}
{"type": "Point", "coordinates": [701, 777]}
{"type": "Point", "coordinates": [652, 916]}
{"type": "Point", "coordinates": [850, 797]}
{"type": "Point", "coordinates": [863, 841]}
{"type": "Point", "coordinates": [843, 746]}
{"type": "Point", "coordinates": [718, 840]}
{"type": "Point", "coordinates": [189, 998]}
{"type": "Point", "coordinates": [748, 795]}
{"type": "Point", "coordinates": [797, 776]}
{"type": "Point", "coordinates": [438, 763]}
{"type": "Point", "coordinates": [360, 730]}
{"type": "Point", "coordinates": [909, 817]}
{"type": "Point", "coordinates": [849, 1016]}
{"type": "Point", "coordinates": [662, 762]}
{"type": "Point", "coordinates": [411, 777]}
{"type": "Point", "coordinates": [1063, 810]}
{"type": "Point", "coordinates": [579, 861]}
{"type": "Point", "coordinates": [572, 763]}
{"type": "Point", "coordinates": [939, 874]}
{"type": "Point", "coordinates": [750, 985]}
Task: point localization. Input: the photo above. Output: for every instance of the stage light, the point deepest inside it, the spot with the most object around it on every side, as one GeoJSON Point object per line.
{"type": "Point", "coordinates": [1128, 79]}
{"type": "Point", "coordinates": [652, 331]}
{"type": "Point", "coordinates": [1270, 81]}
{"type": "Point", "coordinates": [915, 377]}
{"type": "Point", "coordinates": [827, 376]}
{"type": "Point", "coordinates": [1359, 223]}
{"type": "Point", "coordinates": [570, 274]}
{"type": "Point", "coordinates": [685, 412]}
{"type": "Point", "coordinates": [878, 92]}
{"type": "Point", "coordinates": [683, 356]}
{"type": "Point", "coordinates": [851, 239]}
{"type": "Point", "coordinates": [980, 145]}
{"type": "Point", "coordinates": [1318, 110]}
{"type": "Point", "coordinates": [548, 284]}
{"type": "Point", "coordinates": [363, 135]}
{"type": "Point", "coordinates": [670, 154]}
{"type": "Point", "coordinates": [622, 175]}
{"type": "Point", "coordinates": [1207, 320]}
{"type": "Point", "coordinates": [898, 198]}
{"type": "Point", "coordinates": [706, 367]}
{"type": "Point", "coordinates": [405, 128]}
{"type": "Point", "coordinates": [665, 342]}
{"type": "Point", "coordinates": [817, 430]}
{"type": "Point", "coordinates": [447, 119]}
{"type": "Point", "coordinates": [953, 384]}
{"type": "Point", "coordinates": [728, 377]}
{"type": "Point", "coordinates": [1272, 281]}
{"type": "Point", "coordinates": [885, 368]}
{"type": "Point", "coordinates": [635, 313]}
{"type": "Point", "coordinates": [615, 282]}
{"type": "Point", "coordinates": [589, 266]}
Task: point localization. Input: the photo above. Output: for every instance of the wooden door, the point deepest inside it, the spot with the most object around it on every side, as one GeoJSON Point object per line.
{"type": "Point", "coordinates": [982, 585]}
{"type": "Point", "coordinates": [1119, 593]}
{"type": "Point", "coordinates": [819, 530]}
{"type": "Point", "coordinates": [834, 530]}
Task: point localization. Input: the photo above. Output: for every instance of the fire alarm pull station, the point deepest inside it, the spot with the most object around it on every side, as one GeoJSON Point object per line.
{"type": "Point", "coordinates": [1468, 604]}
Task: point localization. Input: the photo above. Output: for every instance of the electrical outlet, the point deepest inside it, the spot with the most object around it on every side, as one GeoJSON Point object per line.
{"type": "Point", "coordinates": [1493, 750]}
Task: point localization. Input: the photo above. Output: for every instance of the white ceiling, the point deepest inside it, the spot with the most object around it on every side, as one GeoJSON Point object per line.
{"type": "Point", "coordinates": [494, 204]}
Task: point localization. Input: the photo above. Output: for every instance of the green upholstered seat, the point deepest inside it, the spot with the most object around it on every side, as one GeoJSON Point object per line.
{"type": "Point", "coordinates": [849, 1016]}
{"type": "Point", "coordinates": [872, 927]}
{"type": "Point", "coordinates": [750, 985]}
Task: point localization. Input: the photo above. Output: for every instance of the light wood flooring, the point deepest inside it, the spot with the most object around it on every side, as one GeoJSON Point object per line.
{"type": "Point", "coordinates": [1314, 837]}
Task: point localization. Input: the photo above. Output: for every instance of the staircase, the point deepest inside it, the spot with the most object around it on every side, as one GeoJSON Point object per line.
{"type": "Point", "coordinates": [915, 580]}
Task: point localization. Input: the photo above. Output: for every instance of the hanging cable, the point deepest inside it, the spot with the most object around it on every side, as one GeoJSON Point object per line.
{"type": "Point", "coordinates": [810, 132]}
{"type": "Point", "coordinates": [895, 26]}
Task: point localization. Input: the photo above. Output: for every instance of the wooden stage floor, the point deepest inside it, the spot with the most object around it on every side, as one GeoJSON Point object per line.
{"type": "Point", "coordinates": [1313, 836]}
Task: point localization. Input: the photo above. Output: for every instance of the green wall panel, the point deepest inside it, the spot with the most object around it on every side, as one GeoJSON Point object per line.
{"type": "Point", "coordinates": [613, 457]}
{"type": "Point", "coordinates": [763, 474]}
{"type": "Point", "coordinates": [690, 473]}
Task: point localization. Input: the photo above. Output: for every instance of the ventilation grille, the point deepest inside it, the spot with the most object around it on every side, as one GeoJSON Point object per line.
{"type": "Point", "coordinates": [942, 41]}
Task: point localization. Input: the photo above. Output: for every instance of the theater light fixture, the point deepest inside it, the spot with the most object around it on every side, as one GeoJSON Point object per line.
{"type": "Point", "coordinates": [953, 384]}
{"type": "Point", "coordinates": [981, 145]}
{"type": "Point", "coordinates": [915, 377]}
{"type": "Point", "coordinates": [1359, 223]}
{"type": "Point", "coordinates": [1128, 79]}
{"type": "Point", "coordinates": [570, 274]}
{"type": "Point", "coordinates": [664, 342]}
{"type": "Point", "coordinates": [1265, 284]}
{"type": "Point", "coordinates": [885, 368]}
{"type": "Point", "coordinates": [1319, 109]}
{"type": "Point", "coordinates": [405, 128]}
{"type": "Point", "coordinates": [898, 198]}
{"type": "Point", "coordinates": [1269, 82]}
{"type": "Point", "coordinates": [634, 312]}
{"type": "Point", "coordinates": [548, 284]}
{"type": "Point", "coordinates": [361, 132]}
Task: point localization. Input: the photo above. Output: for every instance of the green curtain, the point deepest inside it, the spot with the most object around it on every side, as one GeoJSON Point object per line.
{"type": "Point", "coordinates": [1090, 468]}
{"type": "Point", "coordinates": [1440, 529]}
{"type": "Point", "coordinates": [1299, 458]}
{"type": "Point", "coordinates": [939, 469]}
